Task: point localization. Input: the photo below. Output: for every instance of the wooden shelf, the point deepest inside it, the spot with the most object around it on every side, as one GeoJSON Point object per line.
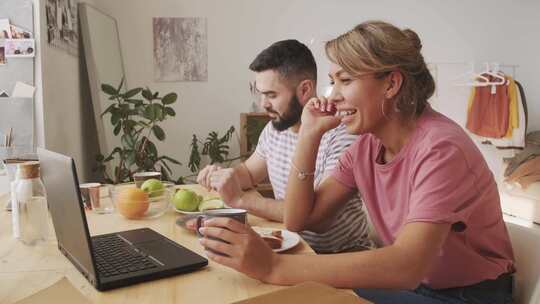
{"type": "Point", "coordinates": [248, 142]}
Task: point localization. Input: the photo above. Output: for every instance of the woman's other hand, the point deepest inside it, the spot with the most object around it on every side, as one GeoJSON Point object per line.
{"type": "Point", "coordinates": [319, 116]}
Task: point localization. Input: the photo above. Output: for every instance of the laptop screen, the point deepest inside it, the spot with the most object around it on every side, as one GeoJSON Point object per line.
{"type": "Point", "coordinates": [65, 204]}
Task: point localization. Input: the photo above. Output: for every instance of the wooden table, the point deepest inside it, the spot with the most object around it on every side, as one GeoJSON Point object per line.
{"type": "Point", "coordinates": [25, 270]}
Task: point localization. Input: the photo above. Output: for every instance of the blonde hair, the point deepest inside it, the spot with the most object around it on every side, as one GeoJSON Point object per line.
{"type": "Point", "coordinates": [380, 48]}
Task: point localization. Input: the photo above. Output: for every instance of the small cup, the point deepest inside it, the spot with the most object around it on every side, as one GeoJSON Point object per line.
{"type": "Point", "coordinates": [236, 214]}
{"type": "Point", "coordinates": [140, 177]}
{"type": "Point", "coordinates": [96, 197]}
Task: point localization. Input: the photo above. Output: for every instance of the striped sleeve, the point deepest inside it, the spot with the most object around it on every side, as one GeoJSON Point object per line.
{"type": "Point", "coordinates": [338, 142]}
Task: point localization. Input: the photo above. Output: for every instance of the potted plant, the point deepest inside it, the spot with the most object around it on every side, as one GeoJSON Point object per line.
{"type": "Point", "coordinates": [136, 115]}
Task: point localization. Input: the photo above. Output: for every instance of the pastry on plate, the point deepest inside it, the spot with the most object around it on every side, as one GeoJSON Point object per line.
{"type": "Point", "coordinates": [272, 237]}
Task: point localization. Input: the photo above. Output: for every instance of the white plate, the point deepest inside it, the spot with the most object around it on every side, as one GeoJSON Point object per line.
{"type": "Point", "coordinates": [195, 212]}
{"type": "Point", "coordinates": [187, 212]}
{"type": "Point", "coordinates": [290, 239]}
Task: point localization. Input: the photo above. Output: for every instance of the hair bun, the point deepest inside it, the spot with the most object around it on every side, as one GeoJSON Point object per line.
{"type": "Point", "coordinates": [413, 37]}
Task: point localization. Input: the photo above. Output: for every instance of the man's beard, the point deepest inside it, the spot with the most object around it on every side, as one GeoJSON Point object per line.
{"type": "Point", "coordinates": [290, 117]}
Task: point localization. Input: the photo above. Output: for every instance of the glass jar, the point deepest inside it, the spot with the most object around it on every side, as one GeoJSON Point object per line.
{"type": "Point", "coordinates": [29, 213]}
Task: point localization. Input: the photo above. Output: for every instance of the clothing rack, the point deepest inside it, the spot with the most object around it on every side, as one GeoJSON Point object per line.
{"type": "Point", "coordinates": [514, 67]}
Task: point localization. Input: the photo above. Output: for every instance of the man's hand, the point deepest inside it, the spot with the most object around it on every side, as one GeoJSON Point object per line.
{"type": "Point", "coordinates": [226, 183]}
{"type": "Point", "coordinates": [203, 178]}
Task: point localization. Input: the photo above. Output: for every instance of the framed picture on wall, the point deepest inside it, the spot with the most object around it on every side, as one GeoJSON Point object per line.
{"type": "Point", "coordinates": [20, 33]}
{"type": "Point", "coordinates": [5, 32]}
{"type": "Point", "coordinates": [63, 25]}
{"type": "Point", "coordinates": [180, 49]}
{"type": "Point", "coordinates": [19, 48]}
{"type": "Point", "coordinates": [2, 55]}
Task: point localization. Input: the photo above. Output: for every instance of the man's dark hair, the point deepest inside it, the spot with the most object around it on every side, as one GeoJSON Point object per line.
{"type": "Point", "coordinates": [290, 58]}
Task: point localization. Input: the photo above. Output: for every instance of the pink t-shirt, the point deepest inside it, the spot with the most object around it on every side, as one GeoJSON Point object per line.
{"type": "Point", "coordinates": [440, 177]}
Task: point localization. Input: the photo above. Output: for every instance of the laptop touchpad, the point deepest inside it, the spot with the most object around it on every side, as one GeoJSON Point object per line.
{"type": "Point", "coordinates": [140, 235]}
{"type": "Point", "coordinates": [169, 254]}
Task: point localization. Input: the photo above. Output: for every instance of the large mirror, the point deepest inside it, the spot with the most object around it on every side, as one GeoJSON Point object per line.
{"type": "Point", "coordinates": [105, 65]}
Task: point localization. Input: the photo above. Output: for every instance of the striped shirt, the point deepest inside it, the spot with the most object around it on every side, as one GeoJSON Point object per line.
{"type": "Point", "coordinates": [349, 232]}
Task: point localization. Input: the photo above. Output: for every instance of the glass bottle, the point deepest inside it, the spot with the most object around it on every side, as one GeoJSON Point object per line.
{"type": "Point", "coordinates": [30, 215]}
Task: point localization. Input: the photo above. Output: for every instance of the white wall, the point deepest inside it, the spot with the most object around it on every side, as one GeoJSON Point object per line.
{"type": "Point", "coordinates": [451, 31]}
{"type": "Point", "coordinates": [64, 119]}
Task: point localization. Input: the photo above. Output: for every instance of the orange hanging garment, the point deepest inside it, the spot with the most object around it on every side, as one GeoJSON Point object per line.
{"type": "Point", "coordinates": [488, 115]}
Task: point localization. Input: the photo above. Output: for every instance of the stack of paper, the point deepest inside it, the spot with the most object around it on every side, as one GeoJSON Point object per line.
{"type": "Point", "coordinates": [61, 292]}
{"type": "Point", "coordinates": [309, 292]}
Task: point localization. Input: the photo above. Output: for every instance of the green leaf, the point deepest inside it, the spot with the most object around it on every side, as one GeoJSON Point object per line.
{"type": "Point", "coordinates": [117, 129]}
{"type": "Point", "coordinates": [172, 160]}
{"type": "Point", "coordinates": [215, 147]}
{"type": "Point", "coordinates": [132, 93]}
{"type": "Point", "coordinates": [124, 110]}
{"type": "Point", "coordinates": [165, 174]}
{"type": "Point", "coordinates": [121, 84]}
{"type": "Point", "coordinates": [151, 148]}
{"type": "Point", "coordinates": [136, 102]}
{"type": "Point", "coordinates": [152, 112]}
{"type": "Point", "coordinates": [115, 118]}
{"type": "Point", "coordinates": [147, 94]}
{"type": "Point", "coordinates": [149, 113]}
{"type": "Point", "coordinates": [195, 156]}
{"type": "Point", "coordinates": [109, 89]}
{"type": "Point", "coordinates": [158, 132]}
{"type": "Point", "coordinates": [130, 158]}
{"type": "Point", "coordinates": [129, 124]}
{"type": "Point", "coordinates": [109, 108]}
{"type": "Point", "coordinates": [124, 107]}
{"type": "Point", "coordinates": [142, 111]}
{"type": "Point", "coordinates": [144, 124]}
{"type": "Point", "coordinates": [160, 115]}
{"type": "Point", "coordinates": [127, 141]}
{"type": "Point", "coordinates": [169, 98]}
{"type": "Point", "coordinates": [166, 166]}
{"type": "Point", "coordinates": [170, 111]}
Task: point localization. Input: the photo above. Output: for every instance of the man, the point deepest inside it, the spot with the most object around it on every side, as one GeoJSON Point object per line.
{"type": "Point", "coordinates": [286, 77]}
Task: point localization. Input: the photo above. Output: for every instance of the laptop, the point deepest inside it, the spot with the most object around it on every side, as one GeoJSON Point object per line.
{"type": "Point", "coordinates": [111, 260]}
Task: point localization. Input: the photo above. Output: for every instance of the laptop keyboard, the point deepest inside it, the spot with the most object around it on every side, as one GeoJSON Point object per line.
{"type": "Point", "coordinates": [114, 257]}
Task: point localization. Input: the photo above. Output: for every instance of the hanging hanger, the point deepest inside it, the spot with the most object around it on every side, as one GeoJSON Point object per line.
{"type": "Point", "coordinates": [498, 78]}
{"type": "Point", "coordinates": [471, 78]}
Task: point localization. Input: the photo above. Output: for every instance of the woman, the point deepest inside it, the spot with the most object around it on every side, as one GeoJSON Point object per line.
{"type": "Point", "coordinates": [429, 192]}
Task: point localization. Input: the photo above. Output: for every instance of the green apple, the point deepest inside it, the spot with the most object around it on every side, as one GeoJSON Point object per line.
{"type": "Point", "coordinates": [186, 200]}
{"type": "Point", "coordinates": [154, 187]}
{"type": "Point", "coordinates": [211, 204]}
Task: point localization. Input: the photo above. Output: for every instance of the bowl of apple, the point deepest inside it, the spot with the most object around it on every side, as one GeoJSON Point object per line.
{"type": "Point", "coordinates": [149, 201]}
